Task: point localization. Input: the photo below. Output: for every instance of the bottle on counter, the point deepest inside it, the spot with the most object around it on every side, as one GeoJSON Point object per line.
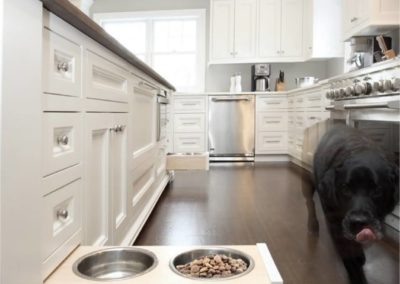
{"type": "Point", "coordinates": [233, 84]}
{"type": "Point", "coordinates": [238, 83]}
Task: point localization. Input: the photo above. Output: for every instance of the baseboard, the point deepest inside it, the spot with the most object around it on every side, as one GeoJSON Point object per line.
{"type": "Point", "coordinates": [137, 226]}
{"type": "Point", "coordinates": [272, 158]}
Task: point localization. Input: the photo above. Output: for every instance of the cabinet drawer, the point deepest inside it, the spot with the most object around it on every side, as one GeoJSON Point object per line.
{"type": "Point", "coordinates": [312, 118]}
{"type": "Point", "coordinates": [62, 146]}
{"type": "Point", "coordinates": [299, 101]}
{"type": "Point", "coordinates": [105, 80]}
{"type": "Point", "coordinates": [271, 141]}
{"type": "Point", "coordinates": [272, 121]}
{"type": "Point", "coordinates": [299, 121]}
{"type": "Point", "coordinates": [189, 122]}
{"type": "Point", "coordinates": [268, 104]}
{"type": "Point", "coordinates": [313, 101]}
{"type": "Point", "coordinates": [197, 104]}
{"type": "Point", "coordinates": [61, 64]}
{"type": "Point", "coordinates": [189, 143]}
{"type": "Point", "coordinates": [61, 216]}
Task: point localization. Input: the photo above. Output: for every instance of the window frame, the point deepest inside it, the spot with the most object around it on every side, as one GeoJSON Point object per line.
{"type": "Point", "coordinates": [149, 17]}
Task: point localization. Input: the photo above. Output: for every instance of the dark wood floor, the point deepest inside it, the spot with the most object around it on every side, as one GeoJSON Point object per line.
{"type": "Point", "coordinates": [262, 203]}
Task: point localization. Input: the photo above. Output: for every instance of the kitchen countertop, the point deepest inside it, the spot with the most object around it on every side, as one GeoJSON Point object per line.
{"type": "Point", "coordinates": [75, 17]}
{"type": "Point", "coordinates": [264, 271]}
{"type": "Point", "coordinates": [230, 94]}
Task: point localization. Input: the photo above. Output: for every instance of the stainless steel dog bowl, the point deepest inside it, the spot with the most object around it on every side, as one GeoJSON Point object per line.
{"type": "Point", "coordinates": [115, 264]}
{"type": "Point", "coordinates": [191, 255]}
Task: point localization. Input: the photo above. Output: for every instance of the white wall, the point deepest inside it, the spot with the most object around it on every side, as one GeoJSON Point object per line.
{"type": "Point", "coordinates": [217, 76]}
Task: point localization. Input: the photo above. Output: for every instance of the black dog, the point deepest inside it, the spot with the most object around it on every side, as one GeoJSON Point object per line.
{"type": "Point", "coordinates": [357, 185]}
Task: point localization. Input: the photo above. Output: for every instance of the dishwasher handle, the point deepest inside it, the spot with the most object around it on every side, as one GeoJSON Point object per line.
{"type": "Point", "coordinates": [230, 99]}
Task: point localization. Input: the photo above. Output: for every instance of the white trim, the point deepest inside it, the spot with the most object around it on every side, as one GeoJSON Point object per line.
{"type": "Point", "coordinates": [149, 17]}
{"type": "Point", "coordinates": [270, 267]}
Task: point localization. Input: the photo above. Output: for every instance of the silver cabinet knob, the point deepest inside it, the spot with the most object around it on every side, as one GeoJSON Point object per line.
{"type": "Point", "coordinates": [63, 66]}
{"type": "Point", "coordinates": [62, 214]}
{"type": "Point", "coordinates": [353, 19]}
{"type": "Point", "coordinates": [282, 51]}
{"type": "Point", "coordinates": [63, 140]}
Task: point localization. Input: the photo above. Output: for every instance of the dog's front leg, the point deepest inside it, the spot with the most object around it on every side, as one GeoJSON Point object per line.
{"type": "Point", "coordinates": [308, 189]}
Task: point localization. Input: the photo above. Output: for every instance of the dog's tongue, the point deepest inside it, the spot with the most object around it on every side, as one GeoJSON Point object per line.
{"type": "Point", "coordinates": [366, 235]}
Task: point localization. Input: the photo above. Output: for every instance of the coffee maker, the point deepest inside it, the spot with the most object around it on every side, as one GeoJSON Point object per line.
{"type": "Point", "coordinates": [260, 77]}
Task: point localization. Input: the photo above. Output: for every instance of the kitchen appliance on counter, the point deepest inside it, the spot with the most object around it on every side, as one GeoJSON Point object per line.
{"type": "Point", "coordinates": [370, 102]}
{"type": "Point", "coordinates": [365, 50]}
{"type": "Point", "coordinates": [305, 81]}
{"type": "Point", "coordinates": [231, 128]}
{"type": "Point", "coordinates": [260, 73]}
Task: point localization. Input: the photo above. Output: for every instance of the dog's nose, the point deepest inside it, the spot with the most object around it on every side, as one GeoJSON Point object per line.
{"type": "Point", "coordinates": [357, 223]}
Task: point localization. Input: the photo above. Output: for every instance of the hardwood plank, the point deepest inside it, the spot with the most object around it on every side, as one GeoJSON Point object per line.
{"type": "Point", "coordinates": [265, 203]}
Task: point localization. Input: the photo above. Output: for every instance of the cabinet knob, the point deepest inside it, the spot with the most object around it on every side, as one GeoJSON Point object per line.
{"type": "Point", "coordinates": [282, 51]}
{"type": "Point", "coordinates": [63, 66]}
{"type": "Point", "coordinates": [63, 214]}
{"type": "Point", "coordinates": [63, 140]}
{"type": "Point", "coordinates": [353, 19]}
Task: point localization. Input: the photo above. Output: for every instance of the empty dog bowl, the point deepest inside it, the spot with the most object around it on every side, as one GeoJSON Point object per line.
{"type": "Point", "coordinates": [191, 255]}
{"type": "Point", "coordinates": [115, 264]}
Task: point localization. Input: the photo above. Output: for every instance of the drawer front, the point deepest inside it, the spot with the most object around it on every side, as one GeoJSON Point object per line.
{"type": "Point", "coordinates": [189, 143]}
{"type": "Point", "coordinates": [299, 121]}
{"type": "Point", "coordinates": [62, 145]}
{"type": "Point", "coordinates": [271, 142]}
{"type": "Point", "coordinates": [105, 80]}
{"type": "Point", "coordinates": [272, 121]}
{"type": "Point", "coordinates": [197, 104]}
{"type": "Point", "coordinates": [62, 65]}
{"type": "Point", "coordinates": [189, 122]}
{"type": "Point", "coordinates": [299, 102]}
{"type": "Point", "coordinates": [312, 118]}
{"type": "Point", "coordinates": [291, 120]}
{"type": "Point", "coordinates": [61, 216]}
{"type": "Point", "coordinates": [271, 104]}
{"type": "Point", "coordinates": [313, 101]}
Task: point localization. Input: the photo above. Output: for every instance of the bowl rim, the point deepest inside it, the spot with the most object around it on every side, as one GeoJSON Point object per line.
{"type": "Point", "coordinates": [215, 248]}
{"type": "Point", "coordinates": [100, 251]}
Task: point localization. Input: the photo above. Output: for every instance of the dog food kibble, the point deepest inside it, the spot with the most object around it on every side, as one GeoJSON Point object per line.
{"type": "Point", "coordinates": [213, 266]}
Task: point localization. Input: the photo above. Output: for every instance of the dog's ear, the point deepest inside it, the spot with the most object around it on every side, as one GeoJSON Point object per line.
{"type": "Point", "coordinates": [328, 186]}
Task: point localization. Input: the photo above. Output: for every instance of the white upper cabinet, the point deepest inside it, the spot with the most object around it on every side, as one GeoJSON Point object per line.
{"type": "Point", "coordinates": [245, 28]}
{"type": "Point", "coordinates": [233, 30]}
{"type": "Point", "coordinates": [269, 35]}
{"type": "Point", "coordinates": [322, 29]}
{"type": "Point", "coordinates": [222, 29]}
{"type": "Point", "coordinates": [369, 17]}
{"type": "Point", "coordinates": [292, 28]}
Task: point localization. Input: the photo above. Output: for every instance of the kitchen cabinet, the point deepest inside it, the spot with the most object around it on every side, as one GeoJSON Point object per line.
{"type": "Point", "coordinates": [106, 182]}
{"type": "Point", "coordinates": [233, 29]}
{"type": "Point", "coordinates": [280, 30]}
{"type": "Point", "coordinates": [271, 125]}
{"type": "Point", "coordinates": [369, 17]}
{"type": "Point", "coordinates": [323, 29]}
{"type": "Point", "coordinates": [189, 124]}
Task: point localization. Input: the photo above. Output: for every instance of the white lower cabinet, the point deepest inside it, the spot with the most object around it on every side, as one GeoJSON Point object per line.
{"type": "Point", "coordinates": [106, 181]}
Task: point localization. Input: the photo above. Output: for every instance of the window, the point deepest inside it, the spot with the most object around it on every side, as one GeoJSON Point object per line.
{"type": "Point", "coordinates": [172, 42]}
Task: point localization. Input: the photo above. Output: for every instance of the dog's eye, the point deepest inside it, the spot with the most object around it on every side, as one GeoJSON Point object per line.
{"type": "Point", "coordinates": [346, 189]}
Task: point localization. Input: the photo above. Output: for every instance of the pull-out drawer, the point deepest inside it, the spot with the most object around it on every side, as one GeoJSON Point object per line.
{"type": "Point", "coordinates": [271, 104]}
{"type": "Point", "coordinates": [299, 101]}
{"type": "Point", "coordinates": [271, 142]}
{"type": "Point", "coordinates": [272, 121]}
{"type": "Point", "coordinates": [62, 145]}
{"type": "Point", "coordinates": [189, 143]}
{"type": "Point", "coordinates": [105, 80]}
{"type": "Point", "coordinates": [196, 104]}
{"type": "Point", "coordinates": [189, 122]}
{"type": "Point", "coordinates": [299, 121]}
{"type": "Point", "coordinates": [313, 101]}
{"type": "Point", "coordinates": [61, 216]}
{"type": "Point", "coordinates": [62, 65]}
{"type": "Point", "coordinates": [312, 118]}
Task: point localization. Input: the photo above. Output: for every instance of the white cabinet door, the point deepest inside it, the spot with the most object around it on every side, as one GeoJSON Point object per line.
{"type": "Point", "coordinates": [292, 28]}
{"type": "Point", "coordinates": [269, 32]}
{"type": "Point", "coordinates": [349, 10]}
{"type": "Point", "coordinates": [119, 181]}
{"type": "Point", "coordinates": [97, 188]}
{"type": "Point", "coordinates": [245, 28]}
{"type": "Point", "coordinates": [143, 118]}
{"type": "Point", "coordinates": [222, 29]}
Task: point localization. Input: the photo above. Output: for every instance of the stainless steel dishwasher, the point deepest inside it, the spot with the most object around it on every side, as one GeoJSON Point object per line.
{"type": "Point", "coordinates": [231, 128]}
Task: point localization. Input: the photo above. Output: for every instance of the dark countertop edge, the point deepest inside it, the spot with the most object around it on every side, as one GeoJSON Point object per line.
{"type": "Point", "coordinates": [75, 17]}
